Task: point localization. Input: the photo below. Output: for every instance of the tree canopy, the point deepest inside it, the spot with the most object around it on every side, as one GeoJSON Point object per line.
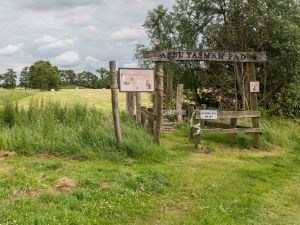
{"type": "Point", "coordinates": [44, 76]}
{"type": "Point", "coordinates": [272, 26]}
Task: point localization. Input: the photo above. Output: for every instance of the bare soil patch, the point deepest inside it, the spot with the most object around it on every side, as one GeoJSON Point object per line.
{"type": "Point", "coordinates": [65, 184]}
{"type": "Point", "coordinates": [7, 154]}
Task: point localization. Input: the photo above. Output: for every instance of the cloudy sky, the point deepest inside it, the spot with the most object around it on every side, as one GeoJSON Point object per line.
{"type": "Point", "coordinates": [76, 34]}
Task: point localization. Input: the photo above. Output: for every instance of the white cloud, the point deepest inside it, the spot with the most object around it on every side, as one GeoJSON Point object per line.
{"type": "Point", "coordinates": [130, 65]}
{"type": "Point", "coordinates": [67, 59]}
{"type": "Point", "coordinates": [55, 4]}
{"type": "Point", "coordinates": [12, 49]}
{"type": "Point", "coordinates": [48, 42]}
{"type": "Point", "coordinates": [128, 34]}
{"type": "Point", "coordinates": [104, 29]}
{"type": "Point", "coordinates": [91, 28]}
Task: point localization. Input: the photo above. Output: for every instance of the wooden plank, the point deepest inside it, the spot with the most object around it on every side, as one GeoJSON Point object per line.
{"type": "Point", "coordinates": [235, 114]}
{"type": "Point", "coordinates": [205, 55]}
{"type": "Point", "coordinates": [179, 99]}
{"type": "Point", "coordinates": [231, 131]}
{"type": "Point", "coordinates": [147, 113]}
{"type": "Point", "coordinates": [213, 124]}
{"type": "Point", "coordinates": [174, 112]}
{"type": "Point", "coordinates": [115, 104]}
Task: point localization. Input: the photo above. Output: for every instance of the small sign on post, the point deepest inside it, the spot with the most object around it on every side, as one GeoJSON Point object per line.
{"type": "Point", "coordinates": [136, 80]}
{"type": "Point", "coordinates": [254, 87]}
{"type": "Point", "coordinates": [209, 114]}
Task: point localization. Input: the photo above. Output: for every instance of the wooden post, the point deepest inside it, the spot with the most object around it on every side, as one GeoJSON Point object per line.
{"type": "Point", "coordinates": [233, 124]}
{"type": "Point", "coordinates": [115, 104]}
{"type": "Point", "coordinates": [191, 120]}
{"type": "Point", "coordinates": [151, 121]}
{"type": "Point", "coordinates": [159, 74]}
{"type": "Point", "coordinates": [127, 102]}
{"type": "Point", "coordinates": [143, 117]}
{"type": "Point", "coordinates": [130, 103]}
{"type": "Point", "coordinates": [253, 102]}
{"type": "Point", "coordinates": [169, 94]}
{"type": "Point", "coordinates": [198, 145]}
{"type": "Point", "coordinates": [138, 104]}
{"type": "Point", "coordinates": [179, 101]}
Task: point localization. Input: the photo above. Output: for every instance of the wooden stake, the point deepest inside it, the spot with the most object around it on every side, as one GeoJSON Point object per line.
{"type": "Point", "coordinates": [169, 94]}
{"type": "Point", "coordinates": [179, 101]}
{"type": "Point", "coordinates": [143, 117]}
{"type": "Point", "coordinates": [253, 102]}
{"type": "Point", "coordinates": [130, 103]}
{"type": "Point", "coordinates": [159, 74]}
{"type": "Point", "coordinates": [115, 104]}
{"type": "Point", "coordinates": [138, 104]}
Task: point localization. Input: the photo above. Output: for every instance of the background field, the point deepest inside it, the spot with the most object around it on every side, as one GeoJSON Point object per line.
{"type": "Point", "coordinates": [144, 184]}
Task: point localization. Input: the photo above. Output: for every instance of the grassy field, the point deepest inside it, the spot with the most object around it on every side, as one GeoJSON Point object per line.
{"type": "Point", "coordinates": [91, 97]}
{"type": "Point", "coordinates": [232, 184]}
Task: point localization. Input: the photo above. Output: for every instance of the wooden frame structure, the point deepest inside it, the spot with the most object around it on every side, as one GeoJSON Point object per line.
{"type": "Point", "coordinates": [199, 126]}
{"type": "Point", "coordinates": [250, 58]}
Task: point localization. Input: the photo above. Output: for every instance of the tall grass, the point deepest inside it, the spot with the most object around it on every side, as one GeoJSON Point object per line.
{"type": "Point", "coordinates": [278, 132]}
{"type": "Point", "coordinates": [76, 131]}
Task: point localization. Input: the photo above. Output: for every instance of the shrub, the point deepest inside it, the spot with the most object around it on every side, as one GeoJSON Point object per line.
{"type": "Point", "coordinates": [287, 102]}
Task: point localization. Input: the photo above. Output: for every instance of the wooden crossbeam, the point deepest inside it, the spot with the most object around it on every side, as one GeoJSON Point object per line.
{"type": "Point", "coordinates": [229, 131]}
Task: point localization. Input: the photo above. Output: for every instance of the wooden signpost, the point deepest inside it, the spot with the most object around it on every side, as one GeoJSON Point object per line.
{"type": "Point", "coordinates": [136, 80]}
{"type": "Point", "coordinates": [208, 55]}
{"type": "Point", "coordinates": [159, 56]}
{"type": "Point", "coordinates": [133, 82]}
{"type": "Point", "coordinates": [115, 103]}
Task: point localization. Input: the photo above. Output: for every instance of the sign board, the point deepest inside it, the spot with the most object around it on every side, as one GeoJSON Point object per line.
{"type": "Point", "coordinates": [205, 55]}
{"type": "Point", "coordinates": [136, 80]}
{"type": "Point", "coordinates": [209, 114]}
{"type": "Point", "coordinates": [254, 87]}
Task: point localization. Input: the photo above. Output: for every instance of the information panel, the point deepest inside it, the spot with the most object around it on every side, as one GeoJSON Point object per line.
{"type": "Point", "coordinates": [209, 114]}
{"type": "Point", "coordinates": [136, 80]}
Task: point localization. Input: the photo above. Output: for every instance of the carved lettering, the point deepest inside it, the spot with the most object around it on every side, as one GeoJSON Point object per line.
{"type": "Point", "coordinates": [221, 55]}
{"type": "Point", "coordinates": [206, 55]}
{"type": "Point", "coordinates": [189, 54]}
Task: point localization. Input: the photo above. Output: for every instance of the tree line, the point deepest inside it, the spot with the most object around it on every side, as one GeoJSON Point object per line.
{"type": "Point", "coordinates": [42, 75]}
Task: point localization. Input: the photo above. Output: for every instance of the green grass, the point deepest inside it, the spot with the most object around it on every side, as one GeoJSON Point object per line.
{"type": "Point", "coordinates": [233, 184]}
{"type": "Point", "coordinates": [100, 99]}
{"type": "Point", "coordinates": [76, 131]}
{"type": "Point", "coordinates": [15, 95]}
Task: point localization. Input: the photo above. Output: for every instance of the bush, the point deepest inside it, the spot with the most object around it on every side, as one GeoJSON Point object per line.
{"type": "Point", "coordinates": [287, 102]}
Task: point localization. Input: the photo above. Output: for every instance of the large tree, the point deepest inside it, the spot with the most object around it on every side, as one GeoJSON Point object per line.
{"type": "Point", "coordinates": [236, 25]}
{"type": "Point", "coordinates": [42, 75]}
{"type": "Point", "coordinates": [24, 78]}
{"type": "Point", "coordinates": [104, 80]}
{"type": "Point", "coordinates": [9, 79]}
{"type": "Point", "coordinates": [67, 76]}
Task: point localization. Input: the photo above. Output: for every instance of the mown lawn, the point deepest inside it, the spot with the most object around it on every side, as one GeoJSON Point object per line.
{"type": "Point", "coordinates": [232, 184]}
